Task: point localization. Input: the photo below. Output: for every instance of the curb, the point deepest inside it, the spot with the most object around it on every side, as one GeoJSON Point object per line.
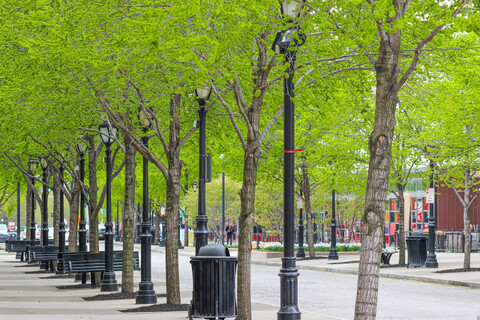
{"type": "Point", "coordinates": [382, 275]}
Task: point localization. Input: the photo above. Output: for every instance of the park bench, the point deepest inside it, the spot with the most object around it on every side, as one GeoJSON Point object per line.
{"type": "Point", "coordinates": [20, 247]}
{"type": "Point", "coordinates": [43, 254]}
{"type": "Point", "coordinates": [37, 243]}
{"type": "Point", "coordinates": [386, 255]}
{"type": "Point", "coordinates": [83, 262]}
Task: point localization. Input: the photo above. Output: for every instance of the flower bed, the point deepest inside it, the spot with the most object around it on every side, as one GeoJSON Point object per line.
{"type": "Point", "coordinates": [319, 247]}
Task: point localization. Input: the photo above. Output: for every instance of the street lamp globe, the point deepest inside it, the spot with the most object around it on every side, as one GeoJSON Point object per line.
{"type": "Point", "coordinates": [203, 92]}
{"type": "Point", "coordinates": [43, 163]}
{"type": "Point", "coordinates": [81, 146]}
{"type": "Point", "coordinates": [194, 185]}
{"type": "Point", "coordinates": [32, 165]}
{"type": "Point", "coordinates": [107, 132]}
{"type": "Point", "coordinates": [143, 117]}
{"type": "Point", "coordinates": [291, 8]}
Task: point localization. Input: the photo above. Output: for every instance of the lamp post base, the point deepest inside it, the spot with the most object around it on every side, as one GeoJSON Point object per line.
{"type": "Point", "coordinates": [146, 293]}
{"type": "Point", "coordinates": [289, 291]}
{"type": "Point", "coordinates": [333, 255]}
{"type": "Point", "coordinates": [431, 261]}
{"type": "Point", "coordinates": [300, 252]}
{"type": "Point", "coordinates": [109, 283]}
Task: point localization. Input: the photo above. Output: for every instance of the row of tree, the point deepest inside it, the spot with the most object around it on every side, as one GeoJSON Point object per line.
{"type": "Point", "coordinates": [67, 66]}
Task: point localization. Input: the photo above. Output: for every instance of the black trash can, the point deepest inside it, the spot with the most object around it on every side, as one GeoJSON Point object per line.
{"type": "Point", "coordinates": [417, 249]}
{"type": "Point", "coordinates": [213, 283]}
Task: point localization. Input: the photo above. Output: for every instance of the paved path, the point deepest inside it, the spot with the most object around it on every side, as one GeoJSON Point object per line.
{"type": "Point", "coordinates": [26, 295]}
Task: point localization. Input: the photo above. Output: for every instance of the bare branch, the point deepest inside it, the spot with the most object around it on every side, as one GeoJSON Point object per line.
{"type": "Point", "coordinates": [419, 48]}
{"type": "Point", "coordinates": [270, 124]}
{"type": "Point", "coordinates": [231, 116]}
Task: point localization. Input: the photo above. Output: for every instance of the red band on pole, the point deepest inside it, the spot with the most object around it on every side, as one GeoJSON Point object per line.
{"type": "Point", "coordinates": [292, 151]}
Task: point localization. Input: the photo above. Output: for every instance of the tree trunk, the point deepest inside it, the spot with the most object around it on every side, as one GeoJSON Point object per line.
{"type": "Point", "coordinates": [247, 215]}
{"type": "Point", "coordinates": [92, 196]}
{"type": "Point", "coordinates": [380, 147]}
{"type": "Point", "coordinates": [466, 222]}
{"type": "Point", "coordinates": [73, 221]}
{"type": "Point", "coordinates": [401, 224]}
{"type": "Point", "coordinates": [92, 201]}
{"type": "Point", "coordinates": [56, 208]}
{"type": "Point", "coordinates": [157, 228]}
{"type": "Point", "coordinates": [128, 216]}
{"type": "Point", "coordinates": [29, 199]}
{"type": "Point", "coordinates": [171, 241]}
{"type": "Point", "coordinates": [308, 213]}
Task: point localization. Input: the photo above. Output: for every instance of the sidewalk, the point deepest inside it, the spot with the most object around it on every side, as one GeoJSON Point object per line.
{"type": "Point", "coordinates": [27, 294]}
{"type": "Point", "coordinates": [348, 263]}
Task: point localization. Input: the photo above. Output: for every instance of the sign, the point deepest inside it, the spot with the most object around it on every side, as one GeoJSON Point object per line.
{"type": "Point", "coordinates": [414, 227]}
{"type": "Point", "coordinates": [430, 195]}
{"type": "Point", "coordinates": [11, 226]}
{"type": "Point", "coordinates": [299, 203]}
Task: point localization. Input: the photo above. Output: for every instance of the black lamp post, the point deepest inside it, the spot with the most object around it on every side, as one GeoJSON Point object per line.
{"type": "Point", "coordinates": [333, 255]}
{"type": "Point", "coordinates": [109, 283]}
{"type": "Point", "coordinates": [223, 208]}
{"type": "Point", "coordinates": [301, 249]}
{"type": "Point", "coordinates": [201, 232]}
{"type": "Point", "coordinates": [146, 292]}
{"type": "Point", "coordinates": [117, 225]}
{"type": "Point", "coordinates": [44, 165]}
{"type": "Point", "coordinates": [61, 225]}
{"type": "Point", "coordinates": [179, 241]}
{"type": "Point", "coordinates": [32, 166]}
{"type": "Point", "coordinates": [82, 231]}
{"type": "Point", "coordinates": [18, 210]}
{"type": "Point", "coordinates": [285, 44]}
{"type": "Point", "coordinates": [431, 261]}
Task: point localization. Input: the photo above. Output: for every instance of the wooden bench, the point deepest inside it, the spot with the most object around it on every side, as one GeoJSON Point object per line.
{"type": "Point", "coordinates": [386, 255]}
{"type": "Point", "coordinates": [36, 244]}
{"type": "Point", "coordinates": [20, 247]}
{"type": "Point", "coordinates": [83, 262]}
{"type": "Point", "coordinates": [46, 254]}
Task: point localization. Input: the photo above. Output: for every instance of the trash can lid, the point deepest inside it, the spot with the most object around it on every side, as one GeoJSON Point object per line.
{"type": "Point", "coordinates": [214, 250]}
{"type": "Point", "coordinates": [417, 234]}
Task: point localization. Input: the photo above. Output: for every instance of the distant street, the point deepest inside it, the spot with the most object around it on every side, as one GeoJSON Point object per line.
{"type": "Point", "coordinates": [333, 294]}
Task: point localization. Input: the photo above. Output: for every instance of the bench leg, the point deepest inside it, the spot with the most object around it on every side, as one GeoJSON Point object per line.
{"type": "Point", "coordinates": [92, 276]}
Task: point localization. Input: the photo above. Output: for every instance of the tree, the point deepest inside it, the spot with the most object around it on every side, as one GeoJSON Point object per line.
{"type": "Point", "coordinates": [384, 27]}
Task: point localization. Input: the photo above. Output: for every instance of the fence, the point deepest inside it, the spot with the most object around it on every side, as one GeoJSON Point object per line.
{"type": "Point", "coordinates": [455, 241]}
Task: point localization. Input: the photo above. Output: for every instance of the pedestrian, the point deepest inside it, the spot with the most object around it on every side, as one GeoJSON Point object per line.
{"type": "Point", "coordinates": [229, 229]}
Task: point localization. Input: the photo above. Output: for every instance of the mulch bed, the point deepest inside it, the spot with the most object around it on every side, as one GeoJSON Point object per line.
{"type": "Point", "coordinates": [38, 272]}
{"type": "Point", "coordinates": [160, 308]}
{"type": "Point", "coordinates": [74, 286]}
{"type": "Point", "coordinates": [458, 270]}
{"type": "Point", "coordinates": [345, 262]}
{"type": "Point", "coordinates": [312, 258]}
{"type": "Point", "coordinates": [116, 296]}
{"type": "Point", "coordinates": [59, 276]}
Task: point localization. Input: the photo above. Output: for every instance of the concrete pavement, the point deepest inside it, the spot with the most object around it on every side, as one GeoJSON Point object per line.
{"type": "Point", "coordinates": [27, 295]}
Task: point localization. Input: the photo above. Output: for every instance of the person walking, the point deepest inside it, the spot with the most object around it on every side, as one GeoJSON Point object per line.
{"type": "Point", "coordinates": [229, 229]}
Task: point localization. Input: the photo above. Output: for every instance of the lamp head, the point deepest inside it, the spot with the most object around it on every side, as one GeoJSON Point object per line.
{"type": "Point", "coordinates": [81, 146]}
{"type": "Point", "coordinates": [143, 117]}
{"type": "Point", "coordinates": [291, 8]}
{"type": "Point", "coordinates": [194, 185]}
{"type": "Point", "coordinates": [32, 165]}
{"type": "Point", "coordinates": [43, 162]}
{"type": "Point", "coordinates": [107, 132]}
